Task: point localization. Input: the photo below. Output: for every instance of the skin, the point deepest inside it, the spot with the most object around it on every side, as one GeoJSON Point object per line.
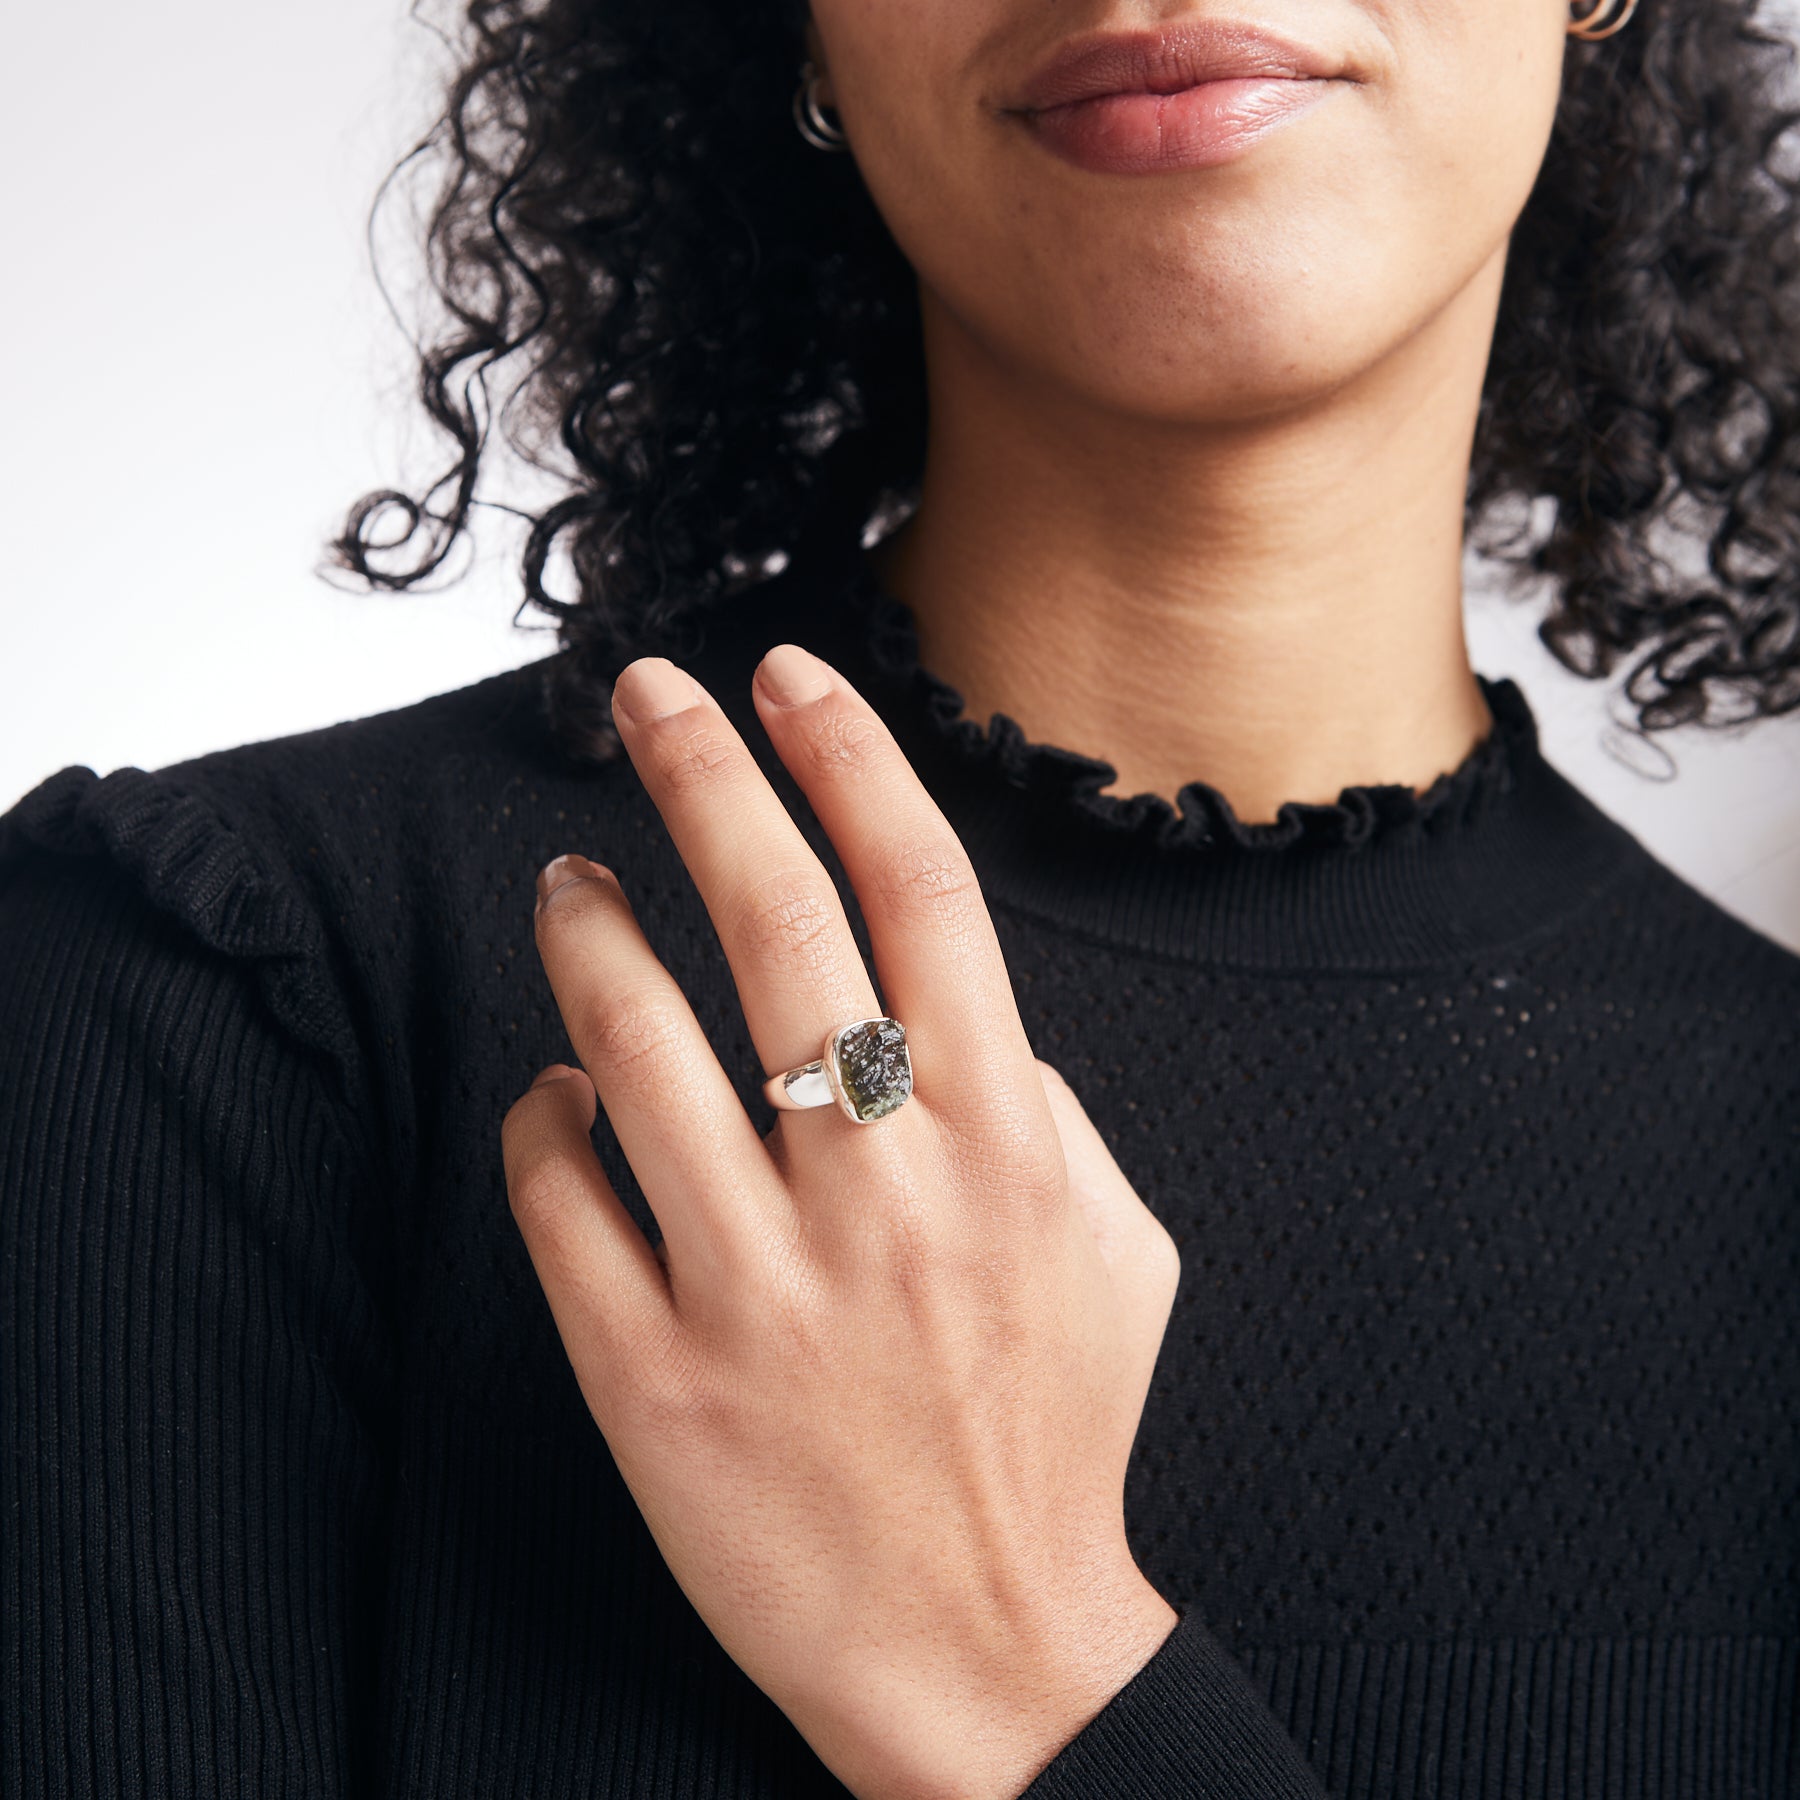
{"type": "Point", "coordinates": [1199, 440]}
{"type": "Point", "coordinates": [876, 1389]}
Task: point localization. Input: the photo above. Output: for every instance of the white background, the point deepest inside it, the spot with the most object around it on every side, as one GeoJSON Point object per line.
{"type": "Point", "coordinates": [204, 374]}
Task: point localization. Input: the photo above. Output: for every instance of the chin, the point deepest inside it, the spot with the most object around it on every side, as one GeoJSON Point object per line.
{"type": "Point", "coordinates": [1233, 356]}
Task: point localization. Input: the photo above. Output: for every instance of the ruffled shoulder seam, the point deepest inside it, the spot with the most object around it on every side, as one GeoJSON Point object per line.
{"type": "Point", "coordinates": [190, 863]}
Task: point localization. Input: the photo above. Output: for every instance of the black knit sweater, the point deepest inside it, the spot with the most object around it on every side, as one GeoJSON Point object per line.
{"type": "Point", "coordinates": [1470, 1461]}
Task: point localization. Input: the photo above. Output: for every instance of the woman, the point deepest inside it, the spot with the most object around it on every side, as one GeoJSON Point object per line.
{"type": "Point", "coordinates": [1284, 1288]}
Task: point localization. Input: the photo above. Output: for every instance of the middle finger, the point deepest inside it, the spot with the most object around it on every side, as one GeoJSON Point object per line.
{"type": "Point", "coordinates": [774, 905]}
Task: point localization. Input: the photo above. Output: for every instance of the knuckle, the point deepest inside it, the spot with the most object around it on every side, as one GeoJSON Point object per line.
{"type": "Point", "coordinates": [1037, 1176]}
{"type": "Point", "coordinates": [1017, 1140]}
{"type": "Point", "coordinates": [1168, 1257]}
{"type": "Point", "coordinates": [631, 1035]}
{"type": "Point", "coordinates": [545, 1192]}
{"type": "Point", "coordinates": [789, 918]}
{"type": "Point", "coordinates": [837, 738]}
{"type": "Point", "coordinates": [1154, 1255]}
{"type": "Point", "coordinates": [929, 876]}
{"type": "Point", "coordinates": [644, 1367]}
{"type": "Point", "coordinates": [691, 753]}
{"type": "Point", "coordinates": [1006, 1136]}
{"type": "Point", "coordinates": [675, 1392]}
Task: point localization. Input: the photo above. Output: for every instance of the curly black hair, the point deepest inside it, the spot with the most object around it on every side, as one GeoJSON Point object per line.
{"type": "Point", "coordinates": [723, 339]}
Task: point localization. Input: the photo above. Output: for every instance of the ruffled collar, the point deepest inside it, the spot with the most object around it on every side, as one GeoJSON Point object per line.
{"type": "Point", "coordinates": [1385, 877]}
{"type": "Point", "coordinates": [1056, 780]}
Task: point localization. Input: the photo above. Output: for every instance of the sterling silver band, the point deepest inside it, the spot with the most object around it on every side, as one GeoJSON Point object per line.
{"type": "Point", "coordinates": [800, 1088]}
{"type": "Point", "coordinates": [864, 1069]}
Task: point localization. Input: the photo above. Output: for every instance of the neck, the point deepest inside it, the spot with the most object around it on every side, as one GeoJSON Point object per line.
{"type": "Point", "coordinates": [1273, 606]}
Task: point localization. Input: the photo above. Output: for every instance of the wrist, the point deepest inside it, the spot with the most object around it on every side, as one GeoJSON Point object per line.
{"type": "Point", "coordinates": [986, 1734]}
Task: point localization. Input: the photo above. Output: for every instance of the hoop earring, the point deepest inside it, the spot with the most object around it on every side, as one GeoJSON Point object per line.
{"type": "Point", "coordinates": [810, 117]}
{"type": "Point", "coordinates": [1592, 25]}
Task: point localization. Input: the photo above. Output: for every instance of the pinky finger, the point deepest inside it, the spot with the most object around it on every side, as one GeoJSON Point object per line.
{"type": "Point", "coordinates": [608, 1290]}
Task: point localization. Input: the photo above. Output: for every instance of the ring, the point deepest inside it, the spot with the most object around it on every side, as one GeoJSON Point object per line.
{"type": "Point", "coordinates": [864, 1068]}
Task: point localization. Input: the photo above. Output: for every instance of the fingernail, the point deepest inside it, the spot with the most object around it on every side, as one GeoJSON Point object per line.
{"type": "Point", "coordinates": [555, 1072]}
{"type": "Point", "coordinates": [791, 676]}
{"type": "Point", "coordinates": [653, 688]}
{"type": "Point", "coordinates": [567, 868]}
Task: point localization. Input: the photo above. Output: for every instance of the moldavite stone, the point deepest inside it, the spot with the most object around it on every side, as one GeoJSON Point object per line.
{"type": "Point", "coordinates": [874, 1067]}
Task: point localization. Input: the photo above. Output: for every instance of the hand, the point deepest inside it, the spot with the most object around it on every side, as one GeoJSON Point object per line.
{"type": "Point", "coordinates": [876, 1389]}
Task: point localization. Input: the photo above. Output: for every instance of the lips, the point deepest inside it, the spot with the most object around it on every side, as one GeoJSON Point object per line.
{"type": "Point", "coordinates": [1186, 96]}
{"type": "Point", "coordinates": [1166, 61]}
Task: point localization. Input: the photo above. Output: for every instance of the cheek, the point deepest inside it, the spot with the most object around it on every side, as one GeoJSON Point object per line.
{"type": "Point", "coordinates": [1478, 105]}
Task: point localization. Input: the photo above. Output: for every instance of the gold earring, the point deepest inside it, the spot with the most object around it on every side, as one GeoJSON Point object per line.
{"type": "Point", "coordinates": [1594, 23]}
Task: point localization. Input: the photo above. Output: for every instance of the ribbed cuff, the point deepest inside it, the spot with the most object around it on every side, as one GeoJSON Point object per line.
{"type": "Point", "coordinates": [1189, 1725]}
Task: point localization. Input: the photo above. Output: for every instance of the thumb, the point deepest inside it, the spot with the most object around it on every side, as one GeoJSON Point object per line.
{"type": "Point", "coordinates": [1133, 1242]}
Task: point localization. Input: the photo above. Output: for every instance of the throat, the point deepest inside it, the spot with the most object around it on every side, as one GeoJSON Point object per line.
{"type": "Point", "coordinates": [1167, 700]}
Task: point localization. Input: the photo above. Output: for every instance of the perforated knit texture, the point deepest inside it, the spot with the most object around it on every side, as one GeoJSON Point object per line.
{"type": "Point", "coordinates": [1470, 1458]}
{"type": "Point", "coordinates": [1475, 1283]}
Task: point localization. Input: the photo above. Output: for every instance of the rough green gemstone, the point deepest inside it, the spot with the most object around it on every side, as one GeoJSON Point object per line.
{"type": "Point", "coordinates": [874, 1067]}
